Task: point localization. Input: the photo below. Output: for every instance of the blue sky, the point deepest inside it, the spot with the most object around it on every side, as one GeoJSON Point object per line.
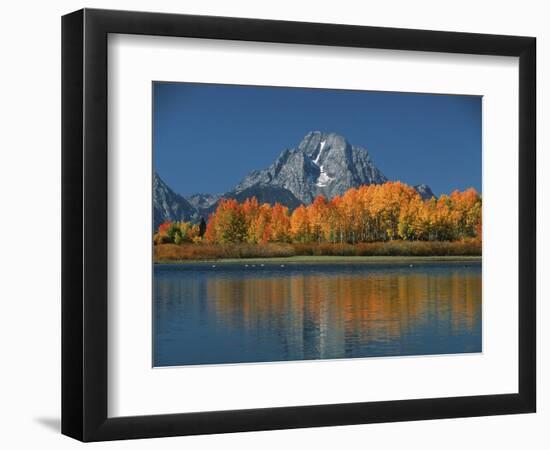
{"type": "Point", "coordinates": [206, 138]}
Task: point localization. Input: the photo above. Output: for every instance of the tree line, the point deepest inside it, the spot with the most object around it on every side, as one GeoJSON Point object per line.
{"type": "Point", "coordinates": [370, 213]}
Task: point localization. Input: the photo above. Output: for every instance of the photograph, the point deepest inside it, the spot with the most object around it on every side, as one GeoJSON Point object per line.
{"type": "Point", "coordinates": [296, 224]}
{"type": "Point", "coordinates": [275, 225]}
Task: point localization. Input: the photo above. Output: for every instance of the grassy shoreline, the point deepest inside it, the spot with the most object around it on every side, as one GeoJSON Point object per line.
{"type": "Point", "coordinates": [328, 259]}
{"type": "Point", "coordinates": [276, 252]}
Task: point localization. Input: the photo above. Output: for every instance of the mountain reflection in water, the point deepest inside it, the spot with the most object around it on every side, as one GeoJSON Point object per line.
{"type": "Point", "coordinates": [231, 313]}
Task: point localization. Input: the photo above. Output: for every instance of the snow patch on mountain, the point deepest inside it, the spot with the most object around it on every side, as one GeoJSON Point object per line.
{"type": "Point", "coordinates": [316, 161]}
{"type": "Point", "coordinates": [323, 179]}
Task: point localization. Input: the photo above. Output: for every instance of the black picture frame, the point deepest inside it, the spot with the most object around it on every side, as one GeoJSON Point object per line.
{"type": "Point", "coordinates": [84, 224]}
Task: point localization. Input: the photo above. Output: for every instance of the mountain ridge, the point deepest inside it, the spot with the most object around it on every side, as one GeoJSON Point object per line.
{"type": "Point", "coordinates": [322, 164]}
{"type": "Point", "coordinates": [168, 205]}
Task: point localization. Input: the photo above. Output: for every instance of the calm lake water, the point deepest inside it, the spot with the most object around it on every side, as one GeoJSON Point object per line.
{"type": "Point", "coordinates": [231, 313]}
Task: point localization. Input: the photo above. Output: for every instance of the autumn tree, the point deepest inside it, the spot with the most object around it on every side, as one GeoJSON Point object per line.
{"type": "Point", "coordinates": [251, 209]}
{"type": "Point", "coordinates": [299, 225]}
{"type": "Point", "coordinates": [317, 217]}
{"type": "Point", "coordinates": [280, 224]}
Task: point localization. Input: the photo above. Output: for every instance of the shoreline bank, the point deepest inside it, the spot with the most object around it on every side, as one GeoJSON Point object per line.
{"type": "Point", "coordinates": [326, 259]}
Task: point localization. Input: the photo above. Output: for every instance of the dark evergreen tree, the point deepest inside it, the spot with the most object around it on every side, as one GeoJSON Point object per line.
{"type": "Point", "coordinates": [202, 227]}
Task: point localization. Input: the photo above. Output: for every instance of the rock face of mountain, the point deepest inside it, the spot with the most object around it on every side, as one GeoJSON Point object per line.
{"type": "Point", "coordinates": [424, 191]}
{"type": "Point", "coordinates": [263, 193]}
{"type": "Point", "coordinates": [323, 163]}
{"type": "Point", "coordinates": [203, 201]}
{"type": "Point", "coordinates": [267, 194]}
{"type": "Point", "coordinates": [167, 205]}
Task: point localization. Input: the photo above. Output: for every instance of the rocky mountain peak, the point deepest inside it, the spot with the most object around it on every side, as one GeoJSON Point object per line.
{"type": "Point", "coordinates": [323, 163]}
{"type": "Point", "coordinates": [167, 205]}
{"type": "Point", "coordinates": [203, 201]}
{"type": "Point", "coordinates": [424, 191]}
